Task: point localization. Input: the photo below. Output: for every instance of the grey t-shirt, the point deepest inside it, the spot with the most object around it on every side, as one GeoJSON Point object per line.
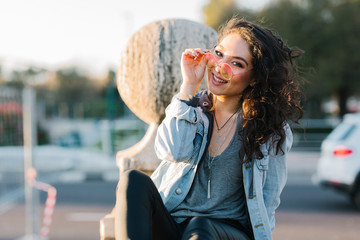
{"type": "Point", "coordinates": [227, 198]}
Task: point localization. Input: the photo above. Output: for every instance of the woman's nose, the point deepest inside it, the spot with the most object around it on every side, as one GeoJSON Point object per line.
{"type": "Point", "coordinates": [224, 70]}
{"type": "Point", "coordinates": [219, 63]}
{"type": "Point", "coordinates": [218, 68]}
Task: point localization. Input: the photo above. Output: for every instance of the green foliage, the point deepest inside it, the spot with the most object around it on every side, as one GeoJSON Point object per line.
{"type": "Point", "coordinates": [77, 96]}
{"type": "Point", "coordinates": [217, 12]}
{"type": "Point", "coordinates": [328, 31]}
{"type": "Point", "coordinates": [73, 87]}
{"type": "Point", "coordinates": [71, 94]}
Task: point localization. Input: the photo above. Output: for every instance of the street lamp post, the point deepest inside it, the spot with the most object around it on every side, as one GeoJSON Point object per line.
{"type": "Point", "coordinates": [30, 141]}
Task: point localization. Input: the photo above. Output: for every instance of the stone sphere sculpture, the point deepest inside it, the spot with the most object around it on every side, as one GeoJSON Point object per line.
{"type": "Point", "coordinates": [149, 75]}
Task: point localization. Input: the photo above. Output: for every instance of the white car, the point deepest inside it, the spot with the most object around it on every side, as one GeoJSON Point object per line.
{"type": "Point", "coordinates": [339, 164]}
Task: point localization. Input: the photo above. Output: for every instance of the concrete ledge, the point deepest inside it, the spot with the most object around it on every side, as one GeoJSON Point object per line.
{"type": "Point", "coordinates": [107, 228]}
{"type": "Point", "coordinates": [107, 224]}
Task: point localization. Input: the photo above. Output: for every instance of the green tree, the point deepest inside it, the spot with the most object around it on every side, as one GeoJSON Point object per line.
{"type": "Point", "coordinates": [70, 93]}
{"type": "Point", "coordinates": [340, 61]}
{"type": "Point", "coordinates": [217, 12]}
{"type": "Point", "coordinates": [77, 93]}
{"type": "Point", "coordinates": [328, 31]}
{"type": "Point", "coordinates": [300, 25]}
{"type": "Point", "coordinates": [115, 106]}
{"type": "Point", "coordinates": [74, 91]}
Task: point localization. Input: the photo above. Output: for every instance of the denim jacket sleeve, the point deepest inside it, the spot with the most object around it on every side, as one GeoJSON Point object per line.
{"type": "Point", "coordinates": [174, 137]}
{"type": "Point", "coordinates": [276, 176]}
{"type": "Point", "coordinates": [269, 176]}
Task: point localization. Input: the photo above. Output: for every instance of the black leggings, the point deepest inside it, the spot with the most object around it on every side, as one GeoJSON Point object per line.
{"type": "Point", "coordinates": [140, 214]}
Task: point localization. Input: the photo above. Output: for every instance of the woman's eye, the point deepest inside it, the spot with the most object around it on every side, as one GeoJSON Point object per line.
{"type": "Point", "coordinates": [237, 64]}
{"type": "Point", "coordinates": [218, 53]}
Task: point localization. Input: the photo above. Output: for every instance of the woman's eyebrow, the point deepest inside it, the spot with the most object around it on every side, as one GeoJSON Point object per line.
{"type": "Point", "coordinates": [240, 58]}
{"type": "Point", "coordinates": [236, 57]}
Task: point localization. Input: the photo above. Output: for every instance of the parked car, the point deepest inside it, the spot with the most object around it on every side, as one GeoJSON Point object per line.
{"type": "Point", "coordinates": [339, 164]}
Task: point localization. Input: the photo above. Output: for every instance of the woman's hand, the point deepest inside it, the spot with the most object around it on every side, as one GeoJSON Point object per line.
{"type": "Point", "coordinates": [193, 65]}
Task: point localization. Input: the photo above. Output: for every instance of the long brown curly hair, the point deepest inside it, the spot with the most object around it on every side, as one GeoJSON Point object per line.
{"type": "Point", "coordinates": [273, 97]}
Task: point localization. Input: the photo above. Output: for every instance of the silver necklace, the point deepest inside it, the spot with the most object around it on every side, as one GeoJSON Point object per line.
{"type": "Point", "coordinates": [220, 134]}
{"type": "Point", "coordinates": [211, 159]}
{"type": "Point", "coordinates": [217, 125]}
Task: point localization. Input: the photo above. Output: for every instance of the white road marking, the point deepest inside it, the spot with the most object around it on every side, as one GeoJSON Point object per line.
{"type": "Point", "coordinates": [85, 216]}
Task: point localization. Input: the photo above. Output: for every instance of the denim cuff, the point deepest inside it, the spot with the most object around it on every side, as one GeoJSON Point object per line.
{"type": "Point", "coordinates": [193, 102]}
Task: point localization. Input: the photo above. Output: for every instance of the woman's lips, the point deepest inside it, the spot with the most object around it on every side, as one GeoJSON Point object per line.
{"type": "Point", "coordinates": [217, 81]}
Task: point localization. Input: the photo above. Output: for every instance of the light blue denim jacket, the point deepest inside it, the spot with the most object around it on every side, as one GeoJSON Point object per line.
{"type": "Point", "coordinates": [181, 141]}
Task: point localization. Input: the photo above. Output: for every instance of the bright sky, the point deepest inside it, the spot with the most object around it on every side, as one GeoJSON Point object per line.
{"type": "Point", "coordinates": [89, 33]}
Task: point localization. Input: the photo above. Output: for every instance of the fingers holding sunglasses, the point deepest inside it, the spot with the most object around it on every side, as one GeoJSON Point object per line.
{"type": "Point", "coordinates": [195, 53]}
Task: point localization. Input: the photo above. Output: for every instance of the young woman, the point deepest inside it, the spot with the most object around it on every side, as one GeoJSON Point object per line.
{"type": "Point", "coordinates": [223, 150]}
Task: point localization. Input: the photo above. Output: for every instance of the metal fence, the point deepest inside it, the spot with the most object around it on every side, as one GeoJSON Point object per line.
{"type": "Point", "coordinates": [11, 126]}
{"type": "Point", "coordinates": [11, 136]}
{"type": "Point", "coordinates": [309, 135]}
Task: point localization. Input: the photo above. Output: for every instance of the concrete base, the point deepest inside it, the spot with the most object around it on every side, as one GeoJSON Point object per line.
{"type": "Point", "coordinates": [107, 227]}
{"type": "Point", "coordinates": [141, 156]}
{"type": "Point", "coordinates": [107, 224]}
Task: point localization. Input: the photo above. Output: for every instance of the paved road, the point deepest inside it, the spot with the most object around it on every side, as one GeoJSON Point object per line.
{"type": "Point", "coordinates": [307, 211]}
{"type": "Point", "coordinates": [78, 209]}
{"type": "Point", "coordinates": [310, 212]}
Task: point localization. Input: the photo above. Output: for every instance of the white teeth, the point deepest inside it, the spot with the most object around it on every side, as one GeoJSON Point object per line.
{"type": "Point", "coordinates": [219, 80]}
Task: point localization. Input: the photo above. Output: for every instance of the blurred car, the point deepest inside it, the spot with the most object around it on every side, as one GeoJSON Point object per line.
{"type": "Point", "coordinates": [339, 164]}
{"type": "Point", "coordinates": [71, 139]}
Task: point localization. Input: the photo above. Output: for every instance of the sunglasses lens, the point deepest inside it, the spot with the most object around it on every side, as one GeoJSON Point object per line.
{"type": "Point", "coordinates": [226, 71]}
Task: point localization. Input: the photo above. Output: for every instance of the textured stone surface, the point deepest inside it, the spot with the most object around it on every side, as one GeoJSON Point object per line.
{"type": "Point", "coordinates": [149, 73]}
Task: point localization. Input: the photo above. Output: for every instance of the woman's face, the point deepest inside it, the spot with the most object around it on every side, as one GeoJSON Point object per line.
{"type": "Point", "coordinates": [234, 51]}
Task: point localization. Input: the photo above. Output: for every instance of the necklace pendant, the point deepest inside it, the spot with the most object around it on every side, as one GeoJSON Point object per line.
{"type": "Point", "coordinates": [218, 139]}
{"type": "Point", "coordinates": [208, 190]}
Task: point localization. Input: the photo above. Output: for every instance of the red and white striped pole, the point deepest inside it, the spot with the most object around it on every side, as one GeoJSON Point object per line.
{"type": "Point", "coordinates": [49, 204]}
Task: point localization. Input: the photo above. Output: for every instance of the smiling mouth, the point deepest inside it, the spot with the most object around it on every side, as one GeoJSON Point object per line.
{"type": "Point", "coordinates": [219, 80]}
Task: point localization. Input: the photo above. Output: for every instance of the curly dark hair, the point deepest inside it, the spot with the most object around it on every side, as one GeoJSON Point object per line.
{"type": "Point", "coordinates": [273, 97]}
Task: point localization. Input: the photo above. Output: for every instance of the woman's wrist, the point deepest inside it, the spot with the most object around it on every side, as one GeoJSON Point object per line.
{"type": "Point", "coordinates": [188, 89]}
{"type": "Point", "coordinates": [184, 96]}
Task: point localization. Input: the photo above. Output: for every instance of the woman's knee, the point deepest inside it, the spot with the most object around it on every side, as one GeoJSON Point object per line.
{"type": "Point", "coordinates": [199, 222]}
{"type": "Point", "coordinates": [132, 180]}
{"type": "Point", "coordinates": [199, 228]}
